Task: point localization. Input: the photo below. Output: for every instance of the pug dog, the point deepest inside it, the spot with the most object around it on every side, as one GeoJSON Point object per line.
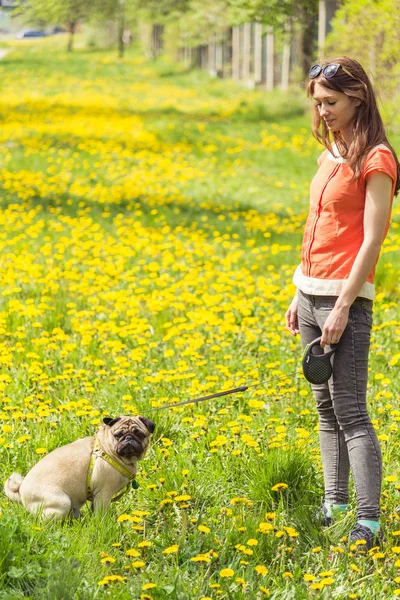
{"type": "Point", "coordinates": [57, 486]}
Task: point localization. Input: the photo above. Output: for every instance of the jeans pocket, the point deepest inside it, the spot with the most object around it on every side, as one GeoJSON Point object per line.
{"type": "Point", "coordinates": [325, 303]}
{"type": "Point", "coordinates": [362, 316]}
{"type": "Point", "coordinates": [368, 317]}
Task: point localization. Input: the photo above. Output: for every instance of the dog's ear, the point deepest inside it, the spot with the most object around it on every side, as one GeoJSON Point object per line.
{"type": "Point", "coordinates": [110, 422]}
{"type": "Point", "coordinates": [149, 424]}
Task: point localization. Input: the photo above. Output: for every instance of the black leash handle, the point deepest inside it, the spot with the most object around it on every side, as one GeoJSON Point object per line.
{"type": "Point", "coordinates": [242, 388]}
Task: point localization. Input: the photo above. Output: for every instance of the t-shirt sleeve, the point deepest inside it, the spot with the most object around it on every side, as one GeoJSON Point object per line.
{"type": "Point", "coordinates": [380, 159]}
{"type": "Point", "coordinates": [322, 157]}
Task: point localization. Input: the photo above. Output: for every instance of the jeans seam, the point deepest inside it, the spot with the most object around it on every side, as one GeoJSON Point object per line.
{"type": "Point", "coordinates": [357, 388]}
{"type": "Point", "coordinates": [337, 455]}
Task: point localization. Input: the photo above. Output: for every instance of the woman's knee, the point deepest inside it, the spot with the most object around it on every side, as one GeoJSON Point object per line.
{"type": "Point", "coordinates": [354, 422]}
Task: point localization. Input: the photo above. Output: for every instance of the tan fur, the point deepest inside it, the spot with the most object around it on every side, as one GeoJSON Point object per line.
{"type": "Point", "coordinates": [56, 485]}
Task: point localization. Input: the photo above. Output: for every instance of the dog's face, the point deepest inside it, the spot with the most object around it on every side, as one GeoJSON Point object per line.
{"type": "Point", "coordinates": [130, 435]}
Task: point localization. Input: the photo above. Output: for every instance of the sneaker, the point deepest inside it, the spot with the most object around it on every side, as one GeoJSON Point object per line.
{"type": "Point", "coordinates": [323, 518]}
{"type": "Point", "coordinates": [360, 532]}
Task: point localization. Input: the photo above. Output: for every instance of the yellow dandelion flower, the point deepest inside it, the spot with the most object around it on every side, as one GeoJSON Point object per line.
{"type": "Point", "coordinates": [23, 438]}
{"type": "Point", "coordinates": [148, 586]}
{"type": "Point", "coordinates": [337, 549]}
{"type": "Point", "coordinates": [252, 542]}
{"type": "Point", "coordinates": [204, 529]}
{"type": "Point", "coordinates": [226, 573]}
{"type": "Point", "coordinates": [182, 498]}
{"type": "Point", "coordinates": [124, 517]}
{"type": "Point", "coordinates": [291, 531]}
{"type": "Point", "coordinates": [108, 559]}
{"type": "Point", "coordinates": [317, 586]}
{"type": "Point", "coordinates": [171, 549]}
{"type": "Point", "coordinates": [145, 544]}
{"type": "Point", "coordinates": [279, 487]}
{"type": "Point", "coordinates": [111, 578]}
{"type": "Point", "coordinates": [265, 527]}
{"type": "Point", "coordinates": [201, 558]}
{"type": "Point", "coordinates": [261, 570]}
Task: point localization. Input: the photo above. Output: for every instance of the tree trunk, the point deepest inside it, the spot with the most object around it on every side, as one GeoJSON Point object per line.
{"type": "Point", "coordinates": [121, 29]}
{"type": "Point", "coordinates": [211, 57]}
{"type": "Point", "coordinates": [258, 53]}
{"type": "Point", "coordinates": [321, 26]}
{"type": "Point", "coordinates": [286, 56]}
{"type": "Point", "coordinates": [270, 59]}
{"type": "Point", "coordinates": [219, 59]}
{"type": "Point", "coordinates": [308, 18]}
{"type": "Point", "coordinates": [72, 29]}
{"type": "Point", "coordinates": [236, 53]}
{"type": "Point", "coordinates": [246, 50]}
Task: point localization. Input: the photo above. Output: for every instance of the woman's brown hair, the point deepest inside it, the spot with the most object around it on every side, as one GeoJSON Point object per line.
{"type": "Point", "coordinates": [369, 130]}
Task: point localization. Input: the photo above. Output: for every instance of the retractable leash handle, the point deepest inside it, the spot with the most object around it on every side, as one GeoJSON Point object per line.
{"type": "Point", "coordinates": [317, 368]}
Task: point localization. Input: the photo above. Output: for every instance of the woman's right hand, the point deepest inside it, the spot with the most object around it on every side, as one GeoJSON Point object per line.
{"type": "Point", "coordinates": [292, 321]}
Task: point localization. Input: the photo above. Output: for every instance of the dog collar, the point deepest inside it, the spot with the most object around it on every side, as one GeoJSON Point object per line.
{"type": "Point", "coordinates": [98, 452]}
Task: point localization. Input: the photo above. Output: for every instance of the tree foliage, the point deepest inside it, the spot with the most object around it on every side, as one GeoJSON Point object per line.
{"type": "Point", "coordinates": [56, 12]}
{"type": "Point", "coordinates": [368, 30]}
{"type": "Point", "coordinates": [163, 11]}
{"type": "Point", "coordinates": [204, 21]}
{"type": "Point", "coordinates": [272, 12]}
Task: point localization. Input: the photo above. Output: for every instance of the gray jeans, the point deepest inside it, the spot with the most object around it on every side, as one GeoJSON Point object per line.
{"type": "Point", "coordinates": [347, 436]}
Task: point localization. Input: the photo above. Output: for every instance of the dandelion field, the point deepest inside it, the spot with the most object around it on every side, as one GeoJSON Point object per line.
{"type": "Point", "coordinates": [151, 224]}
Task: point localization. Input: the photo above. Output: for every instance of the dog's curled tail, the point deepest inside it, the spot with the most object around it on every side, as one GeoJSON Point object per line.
{"type": "Point", "coordinates": [12, 485]}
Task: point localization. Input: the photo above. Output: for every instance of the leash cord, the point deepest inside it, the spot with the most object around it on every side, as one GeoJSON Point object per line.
{"type": "Point", "coordinates": [236, 390]}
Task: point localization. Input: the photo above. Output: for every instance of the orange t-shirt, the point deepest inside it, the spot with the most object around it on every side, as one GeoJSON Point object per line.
{"type": "Point", "coordinates": [334, 229]}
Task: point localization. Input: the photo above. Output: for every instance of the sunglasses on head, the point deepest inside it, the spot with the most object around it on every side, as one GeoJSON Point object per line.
{"type": "Point", "coordinates": [327, 71]}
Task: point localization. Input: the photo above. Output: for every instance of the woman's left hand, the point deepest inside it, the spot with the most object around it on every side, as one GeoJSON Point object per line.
{"type": "Point", "coordinates": [334, 326]}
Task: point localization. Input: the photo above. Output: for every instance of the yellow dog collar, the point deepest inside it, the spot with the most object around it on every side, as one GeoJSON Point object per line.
{"type": "Point", "coordinates": [98, 452]}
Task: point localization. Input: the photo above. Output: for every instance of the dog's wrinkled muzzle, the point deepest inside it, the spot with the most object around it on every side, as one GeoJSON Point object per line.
{"type": "Point", "coordinates": [130, 447]}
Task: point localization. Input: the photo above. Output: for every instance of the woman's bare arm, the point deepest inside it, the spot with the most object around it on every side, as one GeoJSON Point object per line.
{"type": "Point", "coordinates": [377, 208]}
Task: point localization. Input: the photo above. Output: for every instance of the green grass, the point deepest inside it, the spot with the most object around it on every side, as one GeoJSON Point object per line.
{"type": "Point", "coordinates": [151, 221]}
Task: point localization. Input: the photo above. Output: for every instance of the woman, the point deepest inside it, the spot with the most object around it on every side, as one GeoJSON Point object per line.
{"type": "Point", "coordinates": [351, 200]}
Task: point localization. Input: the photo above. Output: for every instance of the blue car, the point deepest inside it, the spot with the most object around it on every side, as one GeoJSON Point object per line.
{"type": "Point", "coordinates": [29, 33]}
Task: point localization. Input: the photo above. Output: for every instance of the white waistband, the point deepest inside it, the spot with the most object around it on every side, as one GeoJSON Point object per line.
{"type": "Point", "coordinates": [328, 287]}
